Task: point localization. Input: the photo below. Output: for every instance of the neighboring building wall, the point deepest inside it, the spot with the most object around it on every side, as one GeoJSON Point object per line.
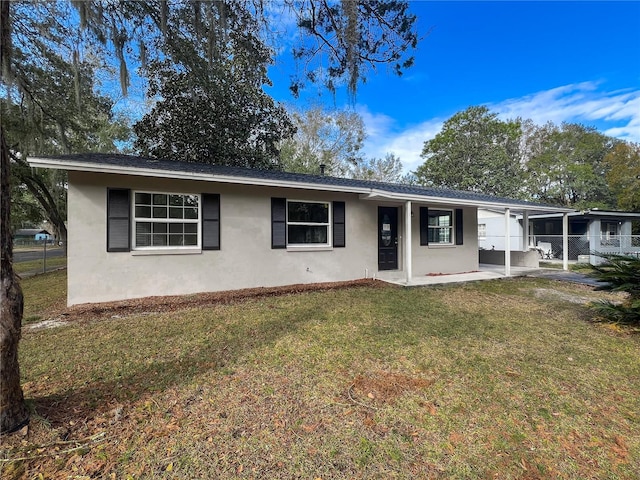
{"type": "Point", "coordinates": [494, 239]}
{"type": "Point", "coordinates": [620, 243]}
{"type": "Point", "coordinates": [245, 258]}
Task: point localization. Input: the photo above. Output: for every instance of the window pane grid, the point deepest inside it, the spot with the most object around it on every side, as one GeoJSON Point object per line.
{"type": "Point", "coordinates": [166, 220]}
{"type": "Point", "coordinates": [308, 223]}
{"type": "Point", "coordinates": [440, 227]}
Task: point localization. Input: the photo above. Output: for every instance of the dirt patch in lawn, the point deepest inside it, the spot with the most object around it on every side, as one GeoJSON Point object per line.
{"type": "Point", "coordinates": [384, 387]}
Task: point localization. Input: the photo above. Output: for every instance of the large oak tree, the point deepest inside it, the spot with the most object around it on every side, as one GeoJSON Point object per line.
{"type": "Point", "coordinates": [475, 151]}
{"type": "Point", "coordinates": [566, 166]}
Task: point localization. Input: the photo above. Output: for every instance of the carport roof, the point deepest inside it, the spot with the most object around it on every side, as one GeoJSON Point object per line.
{"type": "Point", "coordinates": [368, 190]}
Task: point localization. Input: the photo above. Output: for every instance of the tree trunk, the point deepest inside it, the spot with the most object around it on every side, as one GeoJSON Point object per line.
{"type": "Point", "coordinates": [13, 412]}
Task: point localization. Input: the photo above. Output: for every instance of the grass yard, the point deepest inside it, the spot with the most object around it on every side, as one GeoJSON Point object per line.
{"type": "Point", "coordinates": [498, 379]}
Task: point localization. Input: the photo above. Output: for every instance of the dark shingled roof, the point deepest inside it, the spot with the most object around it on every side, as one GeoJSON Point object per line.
{"type": "Point", "coordinates": [348, 184]}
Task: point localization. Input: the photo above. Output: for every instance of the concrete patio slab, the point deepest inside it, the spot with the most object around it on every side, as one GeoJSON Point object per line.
{"type": "Point", "coordinates": [486, 272]}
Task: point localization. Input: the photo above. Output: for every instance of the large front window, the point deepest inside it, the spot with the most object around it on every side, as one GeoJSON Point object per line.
{"type": "Point", "coordinates": [164, 220]}
{"type": "Point", "coordinates": [440, 227]}
{"type": "Point", "coordinates": [307, 223]}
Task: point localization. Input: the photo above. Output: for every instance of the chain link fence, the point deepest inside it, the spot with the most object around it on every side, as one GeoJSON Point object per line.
{"type": "Point", "coordinates": [551, 246]}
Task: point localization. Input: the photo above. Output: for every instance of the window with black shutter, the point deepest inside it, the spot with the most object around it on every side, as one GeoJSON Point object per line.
{"type": "Point", "coordinates": [210, 221]}
{"type": "Point", "coordinates": [441, 226]}
{"type": "Point", "coordinates": [339, 230]}
{"type": "Point", "coordinates": [118, 220]}
{"type": "Point", "coordinates": [459, 230]}
{"type": "Point", "coordinates": [424, 226]}
{"type": "Point", "coordinates": [278, 223]}
{"type": "Point", "coordinates": [297, 223]}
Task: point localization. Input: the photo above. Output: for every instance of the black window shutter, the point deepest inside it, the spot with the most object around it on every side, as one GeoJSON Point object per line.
{"type": "Point", "coordinates": [278, 223]}
{"type": "Point", "coordinates": [459, 232]}
{"type": "Point", "coordinates": [339, 231]}
{"type": "Point", "coordinates": [118, 220]}
{"type": "Point", "coordinates": [210, 221]}
{"type": "Point", "coordinates": [424, 226]}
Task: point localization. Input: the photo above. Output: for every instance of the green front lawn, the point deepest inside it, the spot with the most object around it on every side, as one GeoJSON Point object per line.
{"type": "Point", "coordinates": [499, 379]}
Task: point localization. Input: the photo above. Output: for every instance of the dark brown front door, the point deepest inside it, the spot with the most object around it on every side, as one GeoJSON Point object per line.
{"type": "Point", "coordinates": [387, 238]}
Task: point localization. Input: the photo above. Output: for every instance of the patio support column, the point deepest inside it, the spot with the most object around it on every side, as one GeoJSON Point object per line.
{"type": "Point", "coordinates": [565, 241]}
{"type": "Point", "coordinates": [507, 242]}
{"type": "Point", "coordinates": [407, 241]}
{"type": "Point", "coordinates": [525, 231]}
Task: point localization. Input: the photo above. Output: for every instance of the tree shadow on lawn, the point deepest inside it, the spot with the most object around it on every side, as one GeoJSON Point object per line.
{"type": "Point", "coordinates": [394, 319]}
{"type": "Point", "coordinates": [223, 348]}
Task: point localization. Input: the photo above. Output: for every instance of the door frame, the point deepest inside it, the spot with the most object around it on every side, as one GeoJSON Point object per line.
{"type": "Point", "coordinates": [396, 263]}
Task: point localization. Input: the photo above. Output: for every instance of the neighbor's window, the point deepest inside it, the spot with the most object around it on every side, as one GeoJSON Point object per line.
{"type": "Point", "coordinates": [440, 227]}
{"type": "Point", "coordinates": [307, 223]}
{"type": "Point", "coordinates": [164, 220]}
{"type": "Point", "coordinates": [610, 233]}
{"type": "Point", "coordinates": [482, 230]}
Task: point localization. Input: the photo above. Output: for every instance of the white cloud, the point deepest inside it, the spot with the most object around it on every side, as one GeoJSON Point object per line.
{"type": "Point", "coordinates": [614, 113]}
{"type": "Point", "coordinates": [383, 137]}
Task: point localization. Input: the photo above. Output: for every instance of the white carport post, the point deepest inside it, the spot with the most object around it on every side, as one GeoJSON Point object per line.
{"type": "Point", "coordinates": [565, 241]}
{"type": "Point", "coordinates": [407, 240]}
{"type": "Point", "coordinates": [525, 231]}
{"type": "Point", "coordinates": [507, 242]}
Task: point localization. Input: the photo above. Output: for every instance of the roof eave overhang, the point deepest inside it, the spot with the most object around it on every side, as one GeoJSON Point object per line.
{"type": "Point", "coordinates": [381, 195]}
{"type": "Point", "coordinates": [173, 174]}
{"type": "Point", "coordinates": [364, 193]}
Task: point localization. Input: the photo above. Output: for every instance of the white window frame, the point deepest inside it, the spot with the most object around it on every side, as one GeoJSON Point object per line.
{"type": "Point", "coordinates": [434, 227]}
{"type": "Point", "coordinates": [168, 248]}
{"type": "Point", "coordinates": [482, 230]}
{"type": "Point", "coordinates": [607, 238]}
{"type": "Point", "coordinates": [327, 224]}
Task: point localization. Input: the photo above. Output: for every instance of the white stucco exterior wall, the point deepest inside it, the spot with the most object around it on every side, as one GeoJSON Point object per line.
{"type": "Point", "coordinates": [245, 259]}
{"type": "Point", "coordinates": [446, 258]}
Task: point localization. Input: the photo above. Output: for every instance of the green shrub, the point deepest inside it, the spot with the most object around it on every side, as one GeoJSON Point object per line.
{"type": "Point", "coordinates": [620, 273]}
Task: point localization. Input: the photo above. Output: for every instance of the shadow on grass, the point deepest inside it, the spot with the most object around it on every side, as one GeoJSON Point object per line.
{"type": "Point", "coordinates": [217, 351]}
{"type": "Point", "coordinates": [379, 323]}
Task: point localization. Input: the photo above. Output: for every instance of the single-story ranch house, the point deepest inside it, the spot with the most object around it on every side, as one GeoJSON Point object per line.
{"type": "Point", "coordinates": [142, 227]}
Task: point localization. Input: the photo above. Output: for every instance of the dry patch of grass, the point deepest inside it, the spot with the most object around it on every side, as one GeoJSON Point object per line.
{"type": "Point", "coordinates": [480, 380]}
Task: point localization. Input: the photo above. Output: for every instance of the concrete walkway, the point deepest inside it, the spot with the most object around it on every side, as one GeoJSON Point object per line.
{"type": "Point", "coordinates": [486, 272]}
{"type": "Point", "coordinates": [568, 276]}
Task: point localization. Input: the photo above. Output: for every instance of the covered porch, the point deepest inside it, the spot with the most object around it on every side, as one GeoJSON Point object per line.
{"type": "Point", "coordinates": [408, 206]}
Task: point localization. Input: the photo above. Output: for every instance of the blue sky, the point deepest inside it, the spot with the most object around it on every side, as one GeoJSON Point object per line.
{"type": "Point", "coordinates": [548, 61]}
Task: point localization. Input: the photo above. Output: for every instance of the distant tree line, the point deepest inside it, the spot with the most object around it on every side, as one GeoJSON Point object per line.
{"type": "Point", "coordinates": [569, 164]}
